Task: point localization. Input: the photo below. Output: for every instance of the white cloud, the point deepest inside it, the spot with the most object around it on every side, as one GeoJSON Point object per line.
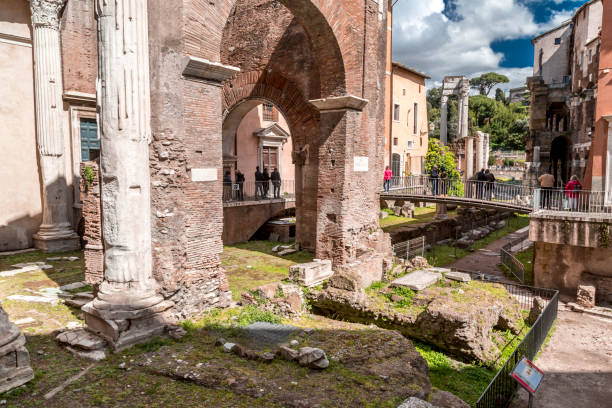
{"type": "Point", "coordinates": [427, 40]}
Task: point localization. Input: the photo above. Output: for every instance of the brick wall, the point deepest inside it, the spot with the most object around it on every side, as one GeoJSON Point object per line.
{"type": "Point", "coordinates": [290, 51]}
{"type": "Point", "coordinates": [79, 42]}
{"type": "Point", "coordinates": [92, 215]}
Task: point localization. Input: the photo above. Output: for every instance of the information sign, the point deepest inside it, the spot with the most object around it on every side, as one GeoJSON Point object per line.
{"type": "Point", "coordinates": [528, 375]}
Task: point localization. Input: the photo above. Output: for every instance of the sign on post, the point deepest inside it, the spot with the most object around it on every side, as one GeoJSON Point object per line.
{"type": "Point", "coordinates": [528, 376]}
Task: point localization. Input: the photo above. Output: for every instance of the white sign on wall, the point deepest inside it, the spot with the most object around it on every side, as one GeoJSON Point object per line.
{"type": "Point", "coordinates": [361, 164]}
{"type": "Point", "coordinates": [198, 175]}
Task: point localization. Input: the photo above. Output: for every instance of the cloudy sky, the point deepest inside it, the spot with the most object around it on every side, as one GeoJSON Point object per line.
{"type": "Point", "coordinates": [470, 37]}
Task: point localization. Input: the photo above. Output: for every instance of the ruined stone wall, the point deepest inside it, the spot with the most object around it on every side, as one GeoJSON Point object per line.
{"type": "Point", "coordinates": [92, 218]}
{"type": "Point", "coordinates": [569, 248]}
{"type": "Point", "coordinates": [79, 44]}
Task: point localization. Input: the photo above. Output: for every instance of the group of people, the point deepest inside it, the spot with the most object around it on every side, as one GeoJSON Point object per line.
{"type": "Point", "coordinates": [549, 196]}
{"type": "Point", "coordinates": [235, 190]}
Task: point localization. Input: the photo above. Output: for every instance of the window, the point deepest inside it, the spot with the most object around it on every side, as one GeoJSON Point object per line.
{"type": "Point", "coordinates": [403, 92]}
{"type": "Point", "coordinates": [416, 118]}
{"type": "Point", "coordinates": [396, 112]}
{"type": "Point", "coordinates": [590, 55]}
{"type": "Point", "coordinates": [395, 141]}
{"type": "Point", "coordinates": [269, 157]}
{"type": "Point", "coordinates": [582, 58]}
{"type": "Point", "coordinates": [557, 40]}
{"type": "Point", "coordinates": [90, 144]}
{"type": "Point", "coordinates": [270, 114]}
{"type": "Point", "coordinates": [410, 144]}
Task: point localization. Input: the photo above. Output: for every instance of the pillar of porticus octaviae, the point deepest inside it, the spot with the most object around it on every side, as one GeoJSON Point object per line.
{"type": "Point", "coordinates": [15, 367]}
{"type": "Point", "coordinates": [128, 308]}
{"type": "Point", "coordinates": [55, 233]}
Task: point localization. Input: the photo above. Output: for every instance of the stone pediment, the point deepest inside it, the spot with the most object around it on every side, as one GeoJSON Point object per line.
{"type": "Point", "coordinates": [273, 132]}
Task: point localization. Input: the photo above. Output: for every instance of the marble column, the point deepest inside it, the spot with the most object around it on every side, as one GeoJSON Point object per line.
{"type": "Point", "coordinates": [464, 100]}
{"type": "Point", "coordinates": [15, 367]}
{"type": "Point", "coordinates": [480, 151]}
{"type": "Point", "coordinates": [56, 233]}
{"type": "Point", "coordinates": [444, 119]}
{"type": "Point", "coordinates": [128, 293]}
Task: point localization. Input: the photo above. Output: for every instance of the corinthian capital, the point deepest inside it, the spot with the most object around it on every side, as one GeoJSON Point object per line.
{"type": "Point", "coordinates": [45, 13]}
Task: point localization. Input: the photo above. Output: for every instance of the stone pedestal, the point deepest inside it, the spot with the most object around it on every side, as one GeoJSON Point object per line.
{"type": "Point", "coordinates": [56, 233]}
{"type": "Point", "coordinates": [128, 308]}
{"type": "Point", "coordinates": [441, 212]}
{"type": "Point", "coordinates": [15, 367]}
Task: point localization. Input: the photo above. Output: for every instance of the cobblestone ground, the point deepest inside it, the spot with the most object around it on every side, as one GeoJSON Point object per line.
{"type": "Point", "coordinates": [577, 362]}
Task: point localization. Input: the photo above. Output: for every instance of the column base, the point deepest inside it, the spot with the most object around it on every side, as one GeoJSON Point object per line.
{"type": "Point", "coordinates": [15, 367]}
{"type": "Point", "coordinates": [441, 212]}
{"type": "Point", "coordinates": [123, 326]}
{"type": "Point", "coordinates": [65, 242]}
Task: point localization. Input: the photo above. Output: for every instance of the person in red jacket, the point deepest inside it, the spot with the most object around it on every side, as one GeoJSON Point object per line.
{"type": "Point", "coordinates": [572, 192]}
{"type": "Point", "coordinates": [387, 178]}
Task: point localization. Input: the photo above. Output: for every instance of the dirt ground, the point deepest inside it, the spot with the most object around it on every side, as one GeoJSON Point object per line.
{"type": "Point", "coordinates": [485, 260]}
{"type": "Point", "coordinates": [577, 362]}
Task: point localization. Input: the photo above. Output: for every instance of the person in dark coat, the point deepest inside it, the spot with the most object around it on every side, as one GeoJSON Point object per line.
{"type": "Point", "coordinates": [480, 177]}
{"type": "Point", "coordinates": [490, 185]}
{"type": "Point", "coordinates": [266, 181]}
{"type": "Point", "coordinates": [240, 182]}
{"type": "Point", "coordinates": [227, 186]}
{"type": "Point", "coordinates": [434, 174]}
{"type": "Point", "coordinates": [259, 191]}
{"type": "Point", "coordinates": [276, 182]}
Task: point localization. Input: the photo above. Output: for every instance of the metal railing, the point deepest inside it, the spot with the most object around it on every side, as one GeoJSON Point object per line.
{"type": "Point", "coordinates": [258, 190]}
{"type": "Point", "coordinates": [514, 196]}
{"type": "Point", "coordinates": [511, 262]}
{"type": "Point", "coordinates": [577, 201]}
{"type": "Point", "coordinates": [500, 391]}
{"type": "Point", "coordinates": [409, 249]}
{"type": "Point", "coordinates": [497, 192]}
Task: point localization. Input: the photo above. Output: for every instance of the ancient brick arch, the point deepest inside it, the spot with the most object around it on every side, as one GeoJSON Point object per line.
{"type": "Point", "coordinates": [251, 88]}
{"type": "Point", "coordinates": [303, 118]}
{"type": "Point", "coordinates": [332, 35]}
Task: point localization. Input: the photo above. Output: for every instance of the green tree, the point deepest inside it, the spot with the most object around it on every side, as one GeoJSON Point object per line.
{"type": "Point", "coordinates": [486, 82]}
{"type": "Point", "coordinates": [500, 96]}
{"type": "Point", "coordinates": [441, 156]}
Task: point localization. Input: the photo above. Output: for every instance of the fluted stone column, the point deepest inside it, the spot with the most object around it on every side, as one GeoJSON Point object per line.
{"type": "Point", "coordinates": [464, 101]}
{"type": "Point", "coordinates": [128, 308]}
{"type": "Point", "coordinates": [14, 357]}
{"type": "Point", "coordinates": [56, 233]}
{"type": "Point", "coordinates": [444, 119]}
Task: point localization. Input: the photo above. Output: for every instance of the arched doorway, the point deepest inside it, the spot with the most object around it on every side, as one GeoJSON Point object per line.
{"type": "Point", "coordinates": [559, 160]}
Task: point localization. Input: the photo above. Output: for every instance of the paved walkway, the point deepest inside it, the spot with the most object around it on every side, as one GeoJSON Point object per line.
{"type": "Point", "coordinates": [577, 363]}
{"type": "Point", "coordinates": [485, 260]}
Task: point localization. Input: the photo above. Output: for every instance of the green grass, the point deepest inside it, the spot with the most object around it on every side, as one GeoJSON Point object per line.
{"type": "Point", "coordinates": [444, 255]}
{"type": "Point", "coordinates": [467, 381]}
{"type": "Point", "coordinates": [421, 215]}
{"type": "Point", "coordinates": [252, 264]}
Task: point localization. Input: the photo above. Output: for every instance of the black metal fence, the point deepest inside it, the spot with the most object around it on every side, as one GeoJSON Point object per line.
{"type": "Point", "coordinates": [508, 259]}
{"type": "Point", "coordinates": [500, 391]}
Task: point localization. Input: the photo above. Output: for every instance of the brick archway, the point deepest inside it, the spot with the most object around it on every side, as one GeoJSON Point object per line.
{"type": "Point", "coordinates": [247, 90]}
{"type": "Point", "coordinates": [330, 32]}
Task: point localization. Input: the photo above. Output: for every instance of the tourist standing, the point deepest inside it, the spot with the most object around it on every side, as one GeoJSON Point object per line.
{"type": "Point", "coordinates": [434, 174]}
{"type": "Point", "coordinates": [240, 182]}
{"type": "Point", "coordinates": [259, 191]}
{"type": "Point", "coordinates": [547, 182]}
{"type": "Point", "coordinates": [276, 182]}
{"type": "Point", "coordinates": [266, 182]}
{"type": "Point", "coordinates": [444, 181]}
{"type": "Point", "coordinates": [227, 186]}
{"type": "Point", "coordinates": [490, 184]}
{"type": "Point", "coordinates": [387, 179]}
{"type": "Point", "coordinates": [572, 191]}
{"type": "Point", "coordinates": [481, 180]}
